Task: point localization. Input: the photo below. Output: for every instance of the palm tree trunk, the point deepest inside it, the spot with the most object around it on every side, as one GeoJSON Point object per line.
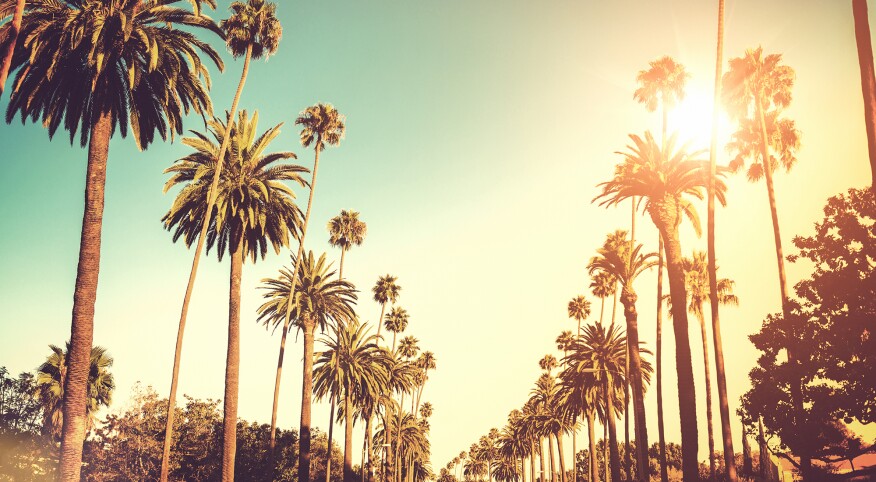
{"type": "Point", "coordinates": [393, 341]}
{"type": "Point", "coordinates": [868, 80]}
{"type": "Point", "coordinates": [349, 475]}
{"type": "Point", "coordinates": [628, 298]}
{"type": "Point", "coordinates": [796, 388]}
{"type": "Point", "coordinates": [341, 268]}
{"type": "Point", "coordinates": [605, 450]}
{"type": "Point", "coordinates": [601, 309]}
{"type": "Point", "coordinates": [702, 321]}
{"type": "Point", "coordinates": [746, 455]}
{"type": "Point", "coordinates": [628, 459]}
{"type": "Point", "coordinates": [369, 450]}
{"type": "Point", "coordinates": [562, 460]}
{"type": "Point", "coordinates": [84, 296]}
{"type": "Point", "coordinates": [721, 379]}
{"type": "Point", "coordinates": [614, 462]}
{"type": "Point", "coordinates": [12, 39]}
{"type": "Point", "coordinates": [575, 449]}
{"type": "Point", "coordinates": [232, 365]}
{"type": "Point", "coordinates": [380, 321]}
{"type": "Point", "coordinates": [553, 461]}
{"type": "Point", "coordinates": [664, 474]}
{"type": "Point", "coordinates": [594, 465]}
{"type": "Point", "coordinates": [331, 428]}
{"type": "Point", "coordinates": [211, 199]}
{"type": "Point", "coordinates": [665, 216]}
{"type": "Point", "coordinates": [307, 383]}
{"type": "Point", "coordinates": [306, 399]}
{"type": "Point", "coordinates": [764, 458]}
{"type": "Point", "coordinates": [541, 458]}
{"type": "Point", "coordinates": [397, 457]}
{"type": "Point", "coordinates": [532, 462]}
{"type": "Point", "coordinates": [614, 305]}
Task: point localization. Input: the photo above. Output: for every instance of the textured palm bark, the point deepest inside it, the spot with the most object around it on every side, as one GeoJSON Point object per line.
{"type": "Point", "coordinates": [708, 373]}
{"type": "Point", "coordinates": [664, 472]}
{"type": "Point", "coordinates": [232, 365]}
{"type": "Point", "coordinates": [11, 41]}
{"type": "Point", "coordinates": [199, 248]}
{"type": "Point", "coordinates": [868, 80]}
{"type": "Point", "coordinates": [665, 214]}
{"type": "Point", "coordinates": [591, 433]}
{"type": "Point", "coordinates": [553, 462]}
{"type": "Point", "coordinates": [541, 463]}
{"type": "Point", "coordinates": [561, 458]}
{"type": "Point", "coordinates": [84, 297]}
{"type": "Point", "coordinates": [306, 403]}
{"type": "Point", "coordinates": [349, 475]}
{"type": "Point", "coordinates": [629, 298]}
{"type": "Point", "coordinates": [532, 463]}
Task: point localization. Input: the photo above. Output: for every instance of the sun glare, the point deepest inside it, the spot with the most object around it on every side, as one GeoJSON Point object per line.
{"type": "Point", "coordinates": [692, 120]}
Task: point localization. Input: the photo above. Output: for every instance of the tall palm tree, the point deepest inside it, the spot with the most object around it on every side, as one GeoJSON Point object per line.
{"type": "Point", "coordinates": [723, 401]}
{"type": "Point", "coordinates": [253, 207]}
{"type": "Point", "coordinates": [386, 290]}
{"type": "Point", "coordinates": [696, 280]}
{"type": "Point", "coordinates": [252, 31]}
{"type": "Point", "coordinates": [318, 301]}
{"type": "Point", "coordinates": [664, 179]}
{"type": "Point", "coordinates": [579, 310]}
{"type": "Point", "coordinates": [579, 393]}
{"type": "Point", "coordinates": [321, 125]}
{"type": "Point", "coordinates": [92, 66]}
{"type": "Point", "coordinates": [602, 286]}
{"type": "Point", "coordinates": [662, 84]}
{"type": "Point", "coordinates": [626, 266]}
{"type": "Point", "coordinates": [50, 387]}
{"type": "Point", "coordinates": [868, 79]}
{"type": "Point", "coordinates": [564, 343]}
{"type": "Point", "coordinates": [354, 367]}
{"type": "Point", "coordinates": [548, 363]}
{"type": "Point", "coordinates": [425, 362]}
{"type": "Point", "coordinates": [396, 322]}
{"type": "Point", "coordinates": [9, 32]}
{"type": "Point", "coordinates": [345, 231]}
{"type": "Point", "coordinates": [407, 349]}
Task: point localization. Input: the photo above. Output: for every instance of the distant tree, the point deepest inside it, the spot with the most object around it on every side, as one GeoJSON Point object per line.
{"type": "Point", "coordinates": [345, 231]}
{"type": "Point", "coordinates": [386, 290]}
{"type": "Point", "coordinates": [25, 453]}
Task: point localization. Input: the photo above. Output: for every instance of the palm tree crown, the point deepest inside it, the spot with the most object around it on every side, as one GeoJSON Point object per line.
{"type": "Point", "coordinates": [253, 205]}
{"type": "Point", "coordinates": [663, 82]}
{"type": "Point", "coordinates": [346, 230]}
{"type": "Point", "coordinates": [253, 24]}
{"type": "Point", "coordinates": [386, 289]}
{"type": "Point", "coordinates": [321, 124]}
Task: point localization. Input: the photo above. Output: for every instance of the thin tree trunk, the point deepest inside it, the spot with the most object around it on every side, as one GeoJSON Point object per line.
{"type": "Point", "coordinates": [628, 298]}
{"type": "Point", "coordinates": [594, 464]}
{"type": "Point", "coordinates": [541, 457]}
{"type": "Point", "coordinates": [720, 377]}
{"type": "Point", "coordinates": [12, 40]}
{"type": "Point", "coordinates": [575, 449]}
{"type": "Point", "coordinates": [349, 475]}
{"type": "Point", "coordinates": [664, 474]}
{"type": "Point", "coordinates": [397, 456]}
{"type": "Point", "coordinates": [746, 455]}
{"type": "Point", "coordinates": [341, 268]}
{"type": "Point", "coordinates": [211, 200]}
{"type": "Point", "coordinates": [306, 399]}
{"type": "Point", "coordinates": [764, 452]}
{"type": "Point", "coordinates": [553, 462]}
{"type": "Point", "coordinates": [561, 458]}
{"type": "Point", "coordinates": [868, 80]}
{"type": "Point", "coordinates": [532, 463]}
{"type": "Point", "coordinates": [369, 449]}
{"type": "Point", "coordinates": [84, 296]}
{"type": "Point", "coordinates": [307, 375]}
{"type": "Point", "coordinates": [665, 216]}
{"type": "Point", "coordinates": [380, 321]}
{"type": "Point", "coordinates": [605, 457]}
{"type": "Point", "coordinates": [601, 309]}
{"type": "Point", "coordinates": [628, 456]}
{"type": "Point", "coordinates": [331, 428]}
{"type": "Point", "coordinates": [232, 364]}
{"type": "Point", "coordinates": [614, 305]}
{"type": "Point", "coordinates": [614, 462]}
{"type": "Point", "coordinates": [702, 321]}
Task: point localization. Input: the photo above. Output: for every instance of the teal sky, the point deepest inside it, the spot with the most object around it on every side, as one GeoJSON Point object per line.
{"type": "Point", "coordinates": [476, 135]}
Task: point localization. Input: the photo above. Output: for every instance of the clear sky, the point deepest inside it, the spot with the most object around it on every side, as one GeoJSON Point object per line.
{"type": "Point", "coordinates": [477, 132]}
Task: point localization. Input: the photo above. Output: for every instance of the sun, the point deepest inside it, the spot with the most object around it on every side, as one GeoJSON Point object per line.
{"type": "Point", "coordinates": [692, 120]}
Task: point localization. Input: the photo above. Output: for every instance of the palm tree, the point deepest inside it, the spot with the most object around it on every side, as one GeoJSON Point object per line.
{"type": "Point", "coordinates": [93, 67]}
{"type": "Point", "coordinates": [548, 363]}
{"type": "Point", "coordinates": [579, 310]}
{"type": "Point", "coordinates": [50, 378]}
{"type": "Point", "coordinates": [9, 33]}
{"type": "Point", "coordinates": [723, 402]}
{"type": "Point", "coordinates": [602, 286]}
{"type": "Point", "coordinates": [346, 231]}
{"type": "Point", "coordinates": [318, 301]}
{"type": "Point", "coordinates": [407, 350]}
{"type": "Point", "coordinates": [868, 79]}
{"type": "Point", "coordinates": [626, 266]}
{"type": "Point", "coordinates": [385, 291]}
{"type": "Point", "coordinates": [580, 394]}
{"type": "Point", "coordinates": [352, 366]}
{"type": "Point", "coordinates": [598, 359]}
{"type": "Point", "coordinates": [696, 279]}
{"type": "Point", "coordinates": [321, 125]}
{"type": "Point", "coordinates": [252, 31]}
{"type": "Point", "coordinates": [663, 84]}
{"type": "Point", "coordinates": [664, 178]}
{"type": "Point", "coordinates": [425, 362]}
{"type": "Point", "coordinates": [396, 321]}
{"type": "Point", "coordinates": [253, 207]}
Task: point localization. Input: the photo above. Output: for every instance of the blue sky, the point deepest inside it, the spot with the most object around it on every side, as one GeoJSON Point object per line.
{"type": "Point", "coordinates": [476, 134]}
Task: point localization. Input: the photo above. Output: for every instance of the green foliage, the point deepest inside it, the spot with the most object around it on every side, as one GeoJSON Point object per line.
{"type": "Point", "coordinates": [828, 331]}
{"type": "Point", "coordinates": [25, 454]}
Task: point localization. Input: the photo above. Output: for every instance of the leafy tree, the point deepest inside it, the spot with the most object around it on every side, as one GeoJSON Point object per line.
{"type": "Point", "coordinates": [25, 453]}
{"type": "Point", "coordinates": [95, 66]}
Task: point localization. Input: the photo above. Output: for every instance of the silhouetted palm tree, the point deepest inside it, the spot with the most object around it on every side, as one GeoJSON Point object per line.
{"type": "Point", "coordinates": [94, 67]}
{"type": "Point", "coordinates": [9, 33]}
{"type": "Point", "coordinates": [386, 290]}
{"type": "Point", "coordinates": [602, 286]}
{"type": "Point", "coordinates": [579, 310]}
{"type": "Point", "coordinates": [252, 31]}
{"type": "Point", "coordinates": [396, 321]}
{"type": "Point", "coordinates": [664, 179]}
{"type": "Point", "coordinates": [345, 231]}
{"type": "Point", "coordinates": [253, 207]}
